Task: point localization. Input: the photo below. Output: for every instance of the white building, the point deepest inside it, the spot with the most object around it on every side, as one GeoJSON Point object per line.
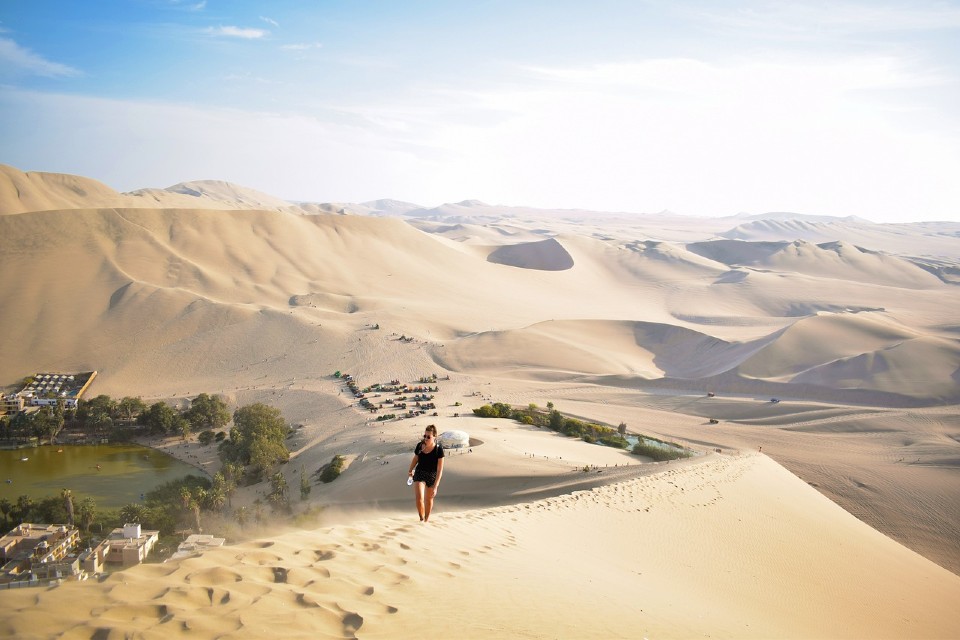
{"type": "Point", "coordinates": [454, 439]}
{"type": "Point", "coordinates": [128, 545]}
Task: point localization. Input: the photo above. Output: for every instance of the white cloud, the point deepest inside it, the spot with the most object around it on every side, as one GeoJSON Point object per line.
{"type": "Point", "coordinates": [17, 60]}
{"type": "Point", "coordinates": [302, 46]}
{"type": "Point", "coordinates": [270, 21]}
{"type": "Point", "coordinates": [238, 32]}
{"type": "Point", "coordinates": [849, 136]}
{"type": "Point", "coordinates": [798, 19]}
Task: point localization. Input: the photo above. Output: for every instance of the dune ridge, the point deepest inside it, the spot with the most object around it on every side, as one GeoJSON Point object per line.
{"type": "Point", "coordinates": [375, 577]}
{"type": "Point", "coordinates": [656, 321]}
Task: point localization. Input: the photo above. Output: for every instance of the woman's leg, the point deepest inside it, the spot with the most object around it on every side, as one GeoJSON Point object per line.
{"type": "Point", "coordinates": [418, 490]}
{"type": "Point", "coordinates": [428, 506]}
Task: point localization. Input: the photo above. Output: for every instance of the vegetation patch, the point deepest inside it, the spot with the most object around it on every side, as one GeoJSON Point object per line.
{"type": "Point", "coordinates": [659, 453]}
{"type": "Point", "coordinates": [590, 432]}
{"type": "Point", "coordinates": [331, 471]}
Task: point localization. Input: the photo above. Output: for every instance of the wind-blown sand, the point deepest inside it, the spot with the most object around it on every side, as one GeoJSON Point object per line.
{"type": "Point", "coordinates": [611, 318]}
{"type": "Point", "coordinates": [729, 547]}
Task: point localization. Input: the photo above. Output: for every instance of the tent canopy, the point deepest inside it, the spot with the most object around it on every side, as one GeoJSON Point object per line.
{"type": "Point", "coordinates": [454, 439]}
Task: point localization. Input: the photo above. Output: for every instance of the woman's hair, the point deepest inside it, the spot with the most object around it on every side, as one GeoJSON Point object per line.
{"type": "Point", "coordinates": [432, 429]}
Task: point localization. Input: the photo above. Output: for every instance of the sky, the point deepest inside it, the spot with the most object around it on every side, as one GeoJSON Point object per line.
{"type": "Point", "coordinates": [702, 108]}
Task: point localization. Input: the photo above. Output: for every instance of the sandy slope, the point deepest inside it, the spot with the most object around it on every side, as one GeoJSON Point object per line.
{"type": "Point", "coordinates": [730, 547]}
{"type": "Point", "coordinates": [611, 318]}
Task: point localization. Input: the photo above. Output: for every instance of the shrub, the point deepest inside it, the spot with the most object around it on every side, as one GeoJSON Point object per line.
{"type": "Point", "coordinates": [615, 441]}
{"type": "Point", "coordinates": [331, 471]}
{"type": "Point", "coordinates": [206, 437]}
{"type": "Point", "coordinates": [658, 454]}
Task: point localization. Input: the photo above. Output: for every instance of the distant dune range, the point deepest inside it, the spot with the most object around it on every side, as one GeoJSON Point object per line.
{"type": "Point", "coordinates": [850, 325]}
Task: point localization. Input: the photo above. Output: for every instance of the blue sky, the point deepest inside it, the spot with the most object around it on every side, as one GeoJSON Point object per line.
{"type": "Point", "coordinates": [703, 108]}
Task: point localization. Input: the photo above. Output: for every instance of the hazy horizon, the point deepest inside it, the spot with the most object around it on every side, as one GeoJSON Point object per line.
{"type": "Point", "coordinates": [758, 107]}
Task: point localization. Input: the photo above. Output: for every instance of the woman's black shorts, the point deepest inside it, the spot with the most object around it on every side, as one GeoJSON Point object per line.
{"type": "Point", "coordinates": [425, 476]}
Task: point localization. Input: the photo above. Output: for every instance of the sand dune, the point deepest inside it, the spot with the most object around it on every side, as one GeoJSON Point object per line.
{"type": "Point", "coordinates": [482, 572]}
{"type": "Point", "coordinates": [612, 317]}
{"type": "Point", "coordinates": [835, 260]}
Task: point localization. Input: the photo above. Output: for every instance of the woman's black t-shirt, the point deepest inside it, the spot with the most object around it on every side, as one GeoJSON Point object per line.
{"type": "Point", "coordinates": [427, 462]}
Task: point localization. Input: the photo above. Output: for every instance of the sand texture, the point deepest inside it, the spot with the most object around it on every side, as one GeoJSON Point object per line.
{"type": "Point", "coordinates": [846, 525]}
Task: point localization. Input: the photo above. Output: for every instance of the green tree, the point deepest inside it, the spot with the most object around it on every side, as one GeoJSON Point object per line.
{"type": "Point", "coordinates": [131, 409]}
{"type": "Point", "coordinates": [135, 513]}
{"type": "Point", "coordinates": [258, 439]}
{"type": "Point", "coordinates": [622, 428]}
{"type": "Point", "coordinates": [5, 507]}
{"type": "Point", "coordinates": [41, 423]}
{"type": "Point", "coordinates": [87, 510]}
{"type": "Point", "coordinates": [20, 426]}
{"type": "Point", "coordinates": [556, 420]}
{"type": "Point", "coordinates": [304, 484]}
{"type": "Point", "coordinates": [97, 410]}
{"type": "Point", "coordinates": [23, 508]}
{"type": "Point", "coordinates": [160, 418]}
{"type": "Point", "coordinates": [182, 427]}
{"type": "Point", "coordinates": [217, 496]}
{"type": "Point", "coordinates": [278, 492]}
{"type": "Point", "coordinates": [67, 497]}
{"type": "Point", "coordinates": [208, 412]}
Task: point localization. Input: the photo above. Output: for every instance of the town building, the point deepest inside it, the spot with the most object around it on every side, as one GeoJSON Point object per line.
{"type": "Point", "coordinates": [34, 554]}
{"type": "Point", "coordinates": [196, 544]}
{"type": "Point", "coordinates": [127, 545]}
{"type": "Point", "coordinates": [10, 404]}
{"type": "Point", "coordinates": [46, 389]}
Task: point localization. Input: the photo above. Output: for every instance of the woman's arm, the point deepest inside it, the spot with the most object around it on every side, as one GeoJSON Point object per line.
{"type": "Point", "coordinates": [413, 464]}
{"type": "Point", "coordinates": [436, 484]}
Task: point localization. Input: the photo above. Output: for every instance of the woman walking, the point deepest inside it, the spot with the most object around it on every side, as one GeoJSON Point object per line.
{"type": "Point", "coordinates": [426, 469]}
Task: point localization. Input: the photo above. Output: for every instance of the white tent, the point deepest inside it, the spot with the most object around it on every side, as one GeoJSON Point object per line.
{"type": "Point", "coordinates": [454, 439]}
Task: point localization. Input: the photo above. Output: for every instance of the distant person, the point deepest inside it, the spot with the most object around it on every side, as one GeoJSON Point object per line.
{"type": "Point", "coordinates": [426, 469]}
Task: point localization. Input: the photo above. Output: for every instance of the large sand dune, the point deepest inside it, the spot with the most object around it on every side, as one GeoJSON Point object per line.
{"type": "Point", "coordinates": [609, 316]}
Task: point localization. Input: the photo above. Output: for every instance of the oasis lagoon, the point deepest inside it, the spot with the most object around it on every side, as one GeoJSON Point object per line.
{"type": "Point", "coordinates": [112, 474]}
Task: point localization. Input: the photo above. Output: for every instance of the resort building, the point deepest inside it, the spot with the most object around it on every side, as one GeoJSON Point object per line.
{"type": "Point", "coordinates": [196, 544]}
{"type": "Point", "coordinates": [34, 554]}
{"type": "Point", "coordinates": [10, 404]}
{"type": "Point", "coordinates": [46, 389]}
{"type": "Point", "coordinates": [128, 545]}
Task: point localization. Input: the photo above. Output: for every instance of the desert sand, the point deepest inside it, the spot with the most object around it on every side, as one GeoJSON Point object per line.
{"type": "Point", "coordinates": [844, 525]}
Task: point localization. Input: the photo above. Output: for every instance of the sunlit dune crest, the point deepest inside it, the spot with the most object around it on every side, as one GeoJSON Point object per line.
{"type": "Point", "coordinates": [832, 345]}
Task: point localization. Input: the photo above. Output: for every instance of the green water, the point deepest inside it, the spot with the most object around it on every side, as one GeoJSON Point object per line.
{"type": "Point", "coordinates": [125, 472]}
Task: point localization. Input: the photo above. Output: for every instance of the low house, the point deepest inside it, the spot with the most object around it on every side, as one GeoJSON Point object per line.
{"type": "Point", "coordinates": [196, 544]}
{"type": "Point", "coordinates": [127, 545]}
{"type": "Point", "coordinates": [34, 554]}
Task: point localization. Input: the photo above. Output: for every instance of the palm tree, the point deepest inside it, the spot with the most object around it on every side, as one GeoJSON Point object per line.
{"type": "Point", "coordinates": [196, 500]}
{"type": "Point", "coordinates": [279, 494]}
{"type": "Point", "coordinates": [134, 513]}
{"type": "Point", "coordinates": [67, 496]}
{"type": "Point", "coordinates": [304, 485]}
{"type": "Point", "coordinates": [5, 506]}
{"type": "Point", "coordinates": [23, 508]}
{"type": "Point", "coordinates": [87, 510]}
